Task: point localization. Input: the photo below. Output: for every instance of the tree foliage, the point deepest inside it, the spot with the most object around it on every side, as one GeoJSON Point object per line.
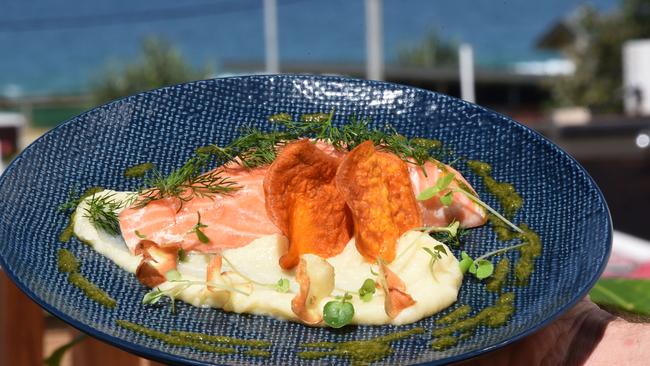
{"type": "Point", "coordinates": [159, 64]}
{"type": "Point", "coordinates": [597, 54]}
{"type": "Point", "coordinates": [432, 51]}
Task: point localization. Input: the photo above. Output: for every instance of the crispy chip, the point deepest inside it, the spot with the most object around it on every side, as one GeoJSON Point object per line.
{"type": "Point", "coordinates": [303, 202]}
{"type": "Point", "coordinates": [397, 298]}
{"type": "Point", "coordinates": [156, 262]}
{"type": "Point", "coordinates": [377, 188]}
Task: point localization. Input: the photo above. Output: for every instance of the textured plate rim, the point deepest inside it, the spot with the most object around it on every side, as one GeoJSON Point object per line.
{"type": "Point", "coordinates": [157, 355]}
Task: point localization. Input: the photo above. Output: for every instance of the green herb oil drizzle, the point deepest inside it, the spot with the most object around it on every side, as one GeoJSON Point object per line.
{"type": "Point", "coordinates": [495, 283]}
{"type": "Point", "coordinates": [455, 315]}
{"type": "Point", "coordinates": [511, 202]}
{"type": "Point", "coordinates": [492, 316]}
{"type": "Point", "coordinates": [198, 341]}
{"type": "Point", "coordinates": [138, 171]}
{"type": "Point", "coordinates": [359, 352]}
{"type": "Point", "coordinates": [67, 263]}
{"type": "Point", "coordinates": [505, 193]}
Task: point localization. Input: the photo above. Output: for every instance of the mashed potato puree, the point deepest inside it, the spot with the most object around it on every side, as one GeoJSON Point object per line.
{"type": "Point", "coordinates": [254, 268]}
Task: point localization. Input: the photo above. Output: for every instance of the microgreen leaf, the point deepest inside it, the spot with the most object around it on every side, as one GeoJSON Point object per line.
{"type": "Point", "coordinates": [442, 183]}
{"type": "Point", "coordinates": [435, 254]}
{"type": "Point", "coordinates": [282, 285]}
{"type": "Point", "coordinates": [152, 296]}
{"type": "Point", "coordinates": [202, 237]}
{"type": "Point", "coordinates": [373, 272]}
{"type": "Point", "coordinates": [173, 275]}
{"type": "Point", "coordinates": [139, 235]}
{"type": "Point", "coordinates": [197, 230]}
{"type": "Point", "coordinates": [367, 290]}
{"type": "Point", "coordinates": [337, 314]}
{"type": "Point", "coordinates": [440, 249]}
{"type": "Point", "coordinates": [428, 251]}
{"type": "Point", "coordinates": [446, 198]}
{"type": "Point", "coordinates": [466, 262]}
{"type": "Point", "coordinates": [453, 228]}
{"type": "Point", "coordinates": [484, 269]}
{"type": "Point", "coordinates": [427, 194]}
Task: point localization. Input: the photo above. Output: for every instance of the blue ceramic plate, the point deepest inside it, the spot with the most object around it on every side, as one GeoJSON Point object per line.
{"type": "Point", "coordinates": [164, 126]}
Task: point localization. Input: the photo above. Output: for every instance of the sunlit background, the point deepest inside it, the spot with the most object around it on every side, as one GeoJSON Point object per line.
{"type": "Point", "coordinates": [576, 71]}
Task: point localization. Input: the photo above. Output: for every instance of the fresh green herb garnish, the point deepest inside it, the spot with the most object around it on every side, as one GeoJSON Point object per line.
{"type": "Point", "coordinates": [197, 230]}
{"type": "Point", "coordinates": [155, 295]}
{"type": "Point", "coordinates": [452, 229]}
{"type": "Point", "coordinates": [139, 235]}
{"type": "Point", "coordinates": [102, 213]}
{"type": "Point", "coordinates": [185, 183]}
{"type": "Point", "coordinates": [465, 261]}
{"type": "Point", "coordinates": [367, 290]}
{"type": "Point", "coordinates": [436, 254]}
{"type": "Point", "coordinates": [446, 198]}
{"type": "Point", "coordinates": [74, 198]}
{"type": "Point", "coordinates": [481, 267]}
{"type": "Point", "coordinates": [282, 285]}
{"type": "Point", "coordinates": [70, 205]}
{"type": "Point", "coordinates": [441, 184]}
{"type": "Point", "coordinates": [449, 235]}
{"type": "Point", "coordinates": [338, 313]}
{"type": "Point", "coordinates": [256, 148]}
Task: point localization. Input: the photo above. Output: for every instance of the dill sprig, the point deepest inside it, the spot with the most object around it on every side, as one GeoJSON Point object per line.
{"type": "Point", "coordinates": [102, 213]}
{"type": "Point", "coordinates": [358, 130]}
{"type": "Point", "coordinates": [185, 183]}
{"type": "Point", "coordinates": [74, 198]}
{"type": "Point", "coordinates": [257, 148]}
{"type": "Point", "coordinates": [253, 149]}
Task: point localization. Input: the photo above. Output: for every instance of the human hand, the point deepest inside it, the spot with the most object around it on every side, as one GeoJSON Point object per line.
{"type": "Point", "coordinates": [585, 335]}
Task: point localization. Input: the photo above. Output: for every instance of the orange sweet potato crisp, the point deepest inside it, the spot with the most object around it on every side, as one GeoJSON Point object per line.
{"type": "Point", "coordinates": [377, 188]}
{"type": "Point", "coordinates": [303, 202]}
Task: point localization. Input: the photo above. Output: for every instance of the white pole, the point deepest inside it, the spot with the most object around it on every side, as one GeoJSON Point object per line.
{"type": "Point", "coordinates": [271, 36]}
{"type": "Point", "coordinates": [374, 35]}
{"type": "Point", "coordinates": [466, 63]}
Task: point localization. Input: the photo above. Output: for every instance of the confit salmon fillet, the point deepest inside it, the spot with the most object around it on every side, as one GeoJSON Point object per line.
{"type": "Point", "coordinates": [232, 220]}
{"type": "Point", "coordinates": [235, 219]}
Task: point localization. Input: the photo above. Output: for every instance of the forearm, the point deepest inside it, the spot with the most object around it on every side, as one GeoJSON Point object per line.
{"type": "Point", "coordinates": [623, 343]}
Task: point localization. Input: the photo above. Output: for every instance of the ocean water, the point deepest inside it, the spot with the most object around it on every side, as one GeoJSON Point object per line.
{"type": "Point", "coordinates": [58, 46]}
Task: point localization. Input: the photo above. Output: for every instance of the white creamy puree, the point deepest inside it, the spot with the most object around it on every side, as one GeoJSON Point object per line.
{"type": "Point", "coordinates": [258, 261]}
